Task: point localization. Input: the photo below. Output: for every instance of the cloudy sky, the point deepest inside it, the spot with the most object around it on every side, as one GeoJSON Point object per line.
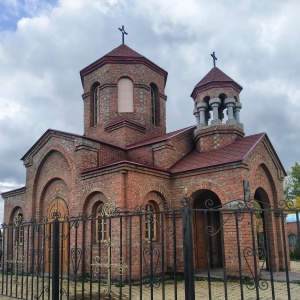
{"type": "Point", "coordinates": [45, 43]}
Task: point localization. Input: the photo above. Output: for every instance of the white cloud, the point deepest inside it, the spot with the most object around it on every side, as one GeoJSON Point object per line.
{"type": "Point", "coordinates": [256, 43]}
{"type": "Point", "coordinates": [8, 185]}
{"type": "Point", "coordinates": [10, 111]}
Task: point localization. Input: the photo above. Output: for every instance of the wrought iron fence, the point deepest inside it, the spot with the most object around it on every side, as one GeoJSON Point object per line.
{"type": "Point", "coordinates": [239, 249]}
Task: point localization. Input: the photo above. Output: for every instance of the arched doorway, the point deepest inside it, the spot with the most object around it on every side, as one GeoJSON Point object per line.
{"type": "Point", "coordinates": [58, 205]}
{"type": "Point", "coordinates": [263, 224]}
{"type": "Point", "coordinates": [207, 247]}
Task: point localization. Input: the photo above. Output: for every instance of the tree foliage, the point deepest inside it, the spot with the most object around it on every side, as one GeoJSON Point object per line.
{"type": "Point", "coordinates": [296, 180]}
{"type": "Point", "coordinates": [292, 187]}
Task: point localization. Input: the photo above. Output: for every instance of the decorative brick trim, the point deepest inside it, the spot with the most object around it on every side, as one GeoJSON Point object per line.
{"type": "Point", "coordinates": [85, 95]}
{"type": "Point", "coordinates": [124, 166]}
{"type": "Point", "coordinates": [125, 123]}
{"type": "Point", "coordinates": [13, 193]}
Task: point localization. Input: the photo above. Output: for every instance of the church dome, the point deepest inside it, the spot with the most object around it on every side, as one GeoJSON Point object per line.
{"type": "Point", "coordinates": [123, 55]}
{"type": "Point", "coordinates": [124, 97]}
{"type": "Point", "coordinates": [215, 78]}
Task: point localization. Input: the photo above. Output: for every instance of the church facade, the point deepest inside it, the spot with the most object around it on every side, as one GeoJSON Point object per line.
{"type": "Point", "coordinates": [126, 155]}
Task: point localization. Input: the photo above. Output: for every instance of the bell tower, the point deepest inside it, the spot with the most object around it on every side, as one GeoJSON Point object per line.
{"type": "Point", "coordinates": [124, 98]}
{"type": "Point", "coordinates": [215, 94]}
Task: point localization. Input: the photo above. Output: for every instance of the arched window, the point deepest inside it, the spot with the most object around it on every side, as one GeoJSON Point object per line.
{"type": "Point", "coordinates": [19, 229]}
{"type": "Point", "coordinates": [100, 224]}
{"type": "Point", "coordinates": [150, 221]}
{"type": "Point", "coordinates": [154, 105]}
{"type": "Point", "coordinates": [125, 95]}
{"type": "Point", "coordinates": [95, 104]}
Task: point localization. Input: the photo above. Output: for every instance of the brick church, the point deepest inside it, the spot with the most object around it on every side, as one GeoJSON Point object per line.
{"type": "Point", "coordinates": [126, 155]}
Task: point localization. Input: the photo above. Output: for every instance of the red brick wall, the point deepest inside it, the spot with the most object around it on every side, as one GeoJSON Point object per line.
{"type": "Point", "coordinates": [142, 155]}
{"type": "Point", "coordinates": [15, 202]}
{"type": "Point", "coordinates": [167, 154]}
{"type": "Point", "coordinates": [291, 227]}
{"type": "Point", "coordinates": [109, 154]}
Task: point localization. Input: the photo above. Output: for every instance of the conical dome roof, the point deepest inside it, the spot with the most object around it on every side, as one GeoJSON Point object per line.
{"type": "Point", "coordinates": [122, 55]}
{"type": "Point", "coordinates": [123, 51]}
{"type": "Point", "coordinates": [215, 78]}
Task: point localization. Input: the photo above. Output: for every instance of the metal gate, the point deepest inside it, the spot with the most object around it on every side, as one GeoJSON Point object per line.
{"type": "Point", "coordinates": [148, 253]}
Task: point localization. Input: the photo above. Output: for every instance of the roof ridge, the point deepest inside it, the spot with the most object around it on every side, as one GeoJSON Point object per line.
{"type": "Point", "coordinates": [159, 138]}
{"type": "Point", "coordinates": [262, 135]}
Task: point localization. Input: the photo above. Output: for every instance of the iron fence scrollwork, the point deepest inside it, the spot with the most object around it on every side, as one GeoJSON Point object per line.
{"type": "Point", "coordinates": [131, 256]}
{"type": "Point", "coordinates": [97, 264]}
{"type": "Point", "coordinates": [255, 281]}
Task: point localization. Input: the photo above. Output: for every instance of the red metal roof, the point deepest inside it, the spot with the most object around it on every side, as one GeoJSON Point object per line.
{"type": "Point", "coordinates": [215, 76]}
{"type": "Point", "coordinates": [234, 152]}
{"type": "Point", "coordinates": [123, 50]}
{"type": "Point", "coordinates": [160, 138]}
{"type": "Point", "coordinates": [122, 55]}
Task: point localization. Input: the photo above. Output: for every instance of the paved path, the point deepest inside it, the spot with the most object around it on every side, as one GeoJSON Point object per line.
{"type": "Point", "coordinates": [202, 288]}
{"type": "Point", "coordinates": [215, 290]}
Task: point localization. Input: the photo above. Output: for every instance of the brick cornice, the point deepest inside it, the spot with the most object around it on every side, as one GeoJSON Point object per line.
{"type": "Point", "coordinates": [215, 85]}
{"type": "Point", "coordinates": [124, 166]}
{"type": "Point", "coordinates": [85, 95]}
{"type": "Point", "coordinates": [14, 193]}
{"type": "Point", "coordinates": [125, 123]}
{"type": "Point", "coordinates": [219, 129]}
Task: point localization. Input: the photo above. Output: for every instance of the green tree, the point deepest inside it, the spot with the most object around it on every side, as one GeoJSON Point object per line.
{"type": "Point", "coordinates": [292, 187]}
{"type": "Point", "coordinates": [295, 176]}
{"type": "Point", "coordinates": [287, 186]}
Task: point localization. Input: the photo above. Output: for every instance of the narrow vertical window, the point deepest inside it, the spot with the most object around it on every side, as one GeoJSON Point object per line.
{"type": "Point", "coordinates": [125, 95]}
{"type": "Point", "coordinates": [96, 101]}
{"type": "Point", "coordinates": [153, 119]}
{"type": "Point", "coordinates": [19, 229]}
{"type": "Point", "coordinates": [154, 105]}
{"type": "Point", "coordinates": [101, 227]}
{"type": "Point", "coordinates": [150, 222]}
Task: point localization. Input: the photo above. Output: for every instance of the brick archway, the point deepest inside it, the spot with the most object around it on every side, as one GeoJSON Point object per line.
{"type": "Point", "coordinates": [265, 227]}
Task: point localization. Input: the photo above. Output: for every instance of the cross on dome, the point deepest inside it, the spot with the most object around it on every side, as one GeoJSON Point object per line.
{"type": "Point", "coordinates": [214, 58]}
{"type": "Point", "coordinates": [123, 33]}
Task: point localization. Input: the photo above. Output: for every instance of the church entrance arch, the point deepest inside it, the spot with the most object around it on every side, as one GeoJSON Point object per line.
{"type": "Point", "coordinates": [263, 224]}
{"type": "Point", "coordinates": [58, 205]}
{"type": "Point", "coordinates": [207, 248]}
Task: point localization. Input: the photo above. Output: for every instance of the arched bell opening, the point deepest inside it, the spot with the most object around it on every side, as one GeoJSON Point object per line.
{"type": "Point", "coordinates": [222, 106]}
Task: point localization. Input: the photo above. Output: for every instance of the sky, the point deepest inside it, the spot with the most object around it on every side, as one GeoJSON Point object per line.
{"type": "Point", "coordinates": [45, 43]}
